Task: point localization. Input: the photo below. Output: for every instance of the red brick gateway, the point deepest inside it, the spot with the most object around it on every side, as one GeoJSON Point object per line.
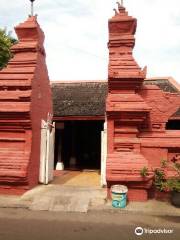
{"type": "Point", "coordinates": [136, 113]}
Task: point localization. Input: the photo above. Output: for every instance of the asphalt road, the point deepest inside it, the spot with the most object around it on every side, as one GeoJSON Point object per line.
{"type": "Point", "coordinates": [19, 224]}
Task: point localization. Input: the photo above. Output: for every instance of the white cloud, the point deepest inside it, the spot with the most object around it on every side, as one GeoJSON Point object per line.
{"type": "Point", "coordinates": [77, 34]}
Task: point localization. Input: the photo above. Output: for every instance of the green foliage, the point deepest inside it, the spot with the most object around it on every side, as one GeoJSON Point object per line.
{"type": "Point", "coordinates": [6, 41]}
{"type": "Point", "coordinates": [174, 184]}
{"type": "Point", "coordinates": [160, 180]}
{"type": "Point", "coordinates": [177, 168]}
{"type": "Point", "coordinates": [164, 184]}
{"type": "Point", "coordinates": [144, 171]}
{"type": "Point", "coordinates": [164, 163]}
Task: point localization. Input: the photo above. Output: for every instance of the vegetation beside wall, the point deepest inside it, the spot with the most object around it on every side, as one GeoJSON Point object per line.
{"type": "Point", "coordinates": [6, 42]}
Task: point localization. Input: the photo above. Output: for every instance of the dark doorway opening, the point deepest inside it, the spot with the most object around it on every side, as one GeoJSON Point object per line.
{"type": "Point", "coordinates": [78, 144]}
{"type": "Point", "coordinates": [173, 125]}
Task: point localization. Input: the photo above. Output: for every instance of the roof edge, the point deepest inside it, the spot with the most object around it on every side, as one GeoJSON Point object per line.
{"type": "Point", "coordinates": [170, 79]}
{"type": "Point", "coordinates": [78, 81]}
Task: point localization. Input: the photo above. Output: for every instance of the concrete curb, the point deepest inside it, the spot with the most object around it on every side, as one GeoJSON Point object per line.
{"type": "Point", "coordinates": [82, 200]}
{"type": "Point", "coordinates": [13, 202]}
{"type": "Point", "coordinates": [152, 207]}
{"type": "Point", "coordinates": [127, 211]}
{"type": "Point", "coordinates": [74, 207]}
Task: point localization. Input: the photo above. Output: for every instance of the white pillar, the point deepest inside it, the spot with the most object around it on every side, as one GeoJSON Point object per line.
{"type": "Point", "coordinates": [103, 155]}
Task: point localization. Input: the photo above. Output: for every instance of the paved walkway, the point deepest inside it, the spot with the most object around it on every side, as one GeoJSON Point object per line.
{"type": "Point", "coordinates": [80, 199]}
{"type": "Point", "coordinates": [85, 178]}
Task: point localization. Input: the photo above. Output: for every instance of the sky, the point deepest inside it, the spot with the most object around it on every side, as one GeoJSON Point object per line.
{"type": "Point", "coordinates": [77, 34]}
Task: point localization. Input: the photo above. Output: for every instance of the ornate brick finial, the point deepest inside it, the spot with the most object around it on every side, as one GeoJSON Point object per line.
{"type": "Point", "coordinates": [116, 12]}
{"type": "Point", "coordinates": [32, 7]}
{"type": "Point", "coordinates": [121, 9]}
{"type": "Point", "coordinates": [120, 5]}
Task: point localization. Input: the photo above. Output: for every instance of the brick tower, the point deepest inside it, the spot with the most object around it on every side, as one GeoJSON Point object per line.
{"type": "Point", "coordinates": [25, 99]}
{"type": "Point", "coordinates": [126, 110]}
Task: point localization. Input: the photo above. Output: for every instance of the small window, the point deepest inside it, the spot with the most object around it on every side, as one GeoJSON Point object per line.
{"type": "Point", "coordinates": [173, 125]}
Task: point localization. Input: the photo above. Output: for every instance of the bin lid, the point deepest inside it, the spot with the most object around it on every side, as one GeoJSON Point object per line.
{"type": "Point", "coordinates": [119, 189]}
